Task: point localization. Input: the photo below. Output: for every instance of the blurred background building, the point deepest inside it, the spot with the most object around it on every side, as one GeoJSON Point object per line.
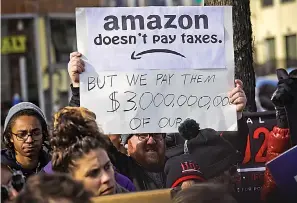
{"type": "Point", "coordinates": [275, 30]}
{"type": "Point", "coordinates": [38, 35]}
{"type": "Point", "coordinates": [275, 46]}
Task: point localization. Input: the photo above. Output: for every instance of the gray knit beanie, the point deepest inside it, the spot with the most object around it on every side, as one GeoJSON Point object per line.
{"type": "Point", "coordinates": [20, 107]}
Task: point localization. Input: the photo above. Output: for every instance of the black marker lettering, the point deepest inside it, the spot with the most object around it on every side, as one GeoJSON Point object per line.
{"type": "Point", "coordinates": [141, 100]}
{"type": "Point", "coordinates": [170, 100]}
{"type": "Point", "coordinates": [91, 82]}
{"type": "Point", "coordinates": [178, 121]}
{"type": "Point", "coordinates": [194, 102]}
{"type": "Point", "coordinates": [209, 78]}
{"type": "Point", "coordinates": [131, 100]}
{"type": "Point", "coordinates": [146, 121]}
{"type": "Point", "coordinates": [185, 75]}
{"type": "Point", "coordinates": [162, 99]}
{"type": "Point", "coordinates": [133, 79]}
{"type": "Point", "coordinates": [142, 80]}
{"type": "Point", "coordinates": [163, 122]}
{"type": "Point", "coordinates": [135, 125]}
{"type": "Point", "coordinates": [185, 100]}
{"type": "Point", "coordinates": [111, 77]}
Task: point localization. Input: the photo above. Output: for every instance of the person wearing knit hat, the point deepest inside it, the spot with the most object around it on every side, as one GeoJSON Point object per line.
{"type": "Point", "coordinates": [182, 171]}
{"type": "Point", "coordinates": [214, 154]}
{"type": "Point", "coordinates": [25, 133]}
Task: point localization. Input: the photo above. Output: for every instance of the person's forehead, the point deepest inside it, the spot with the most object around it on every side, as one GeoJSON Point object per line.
{"type": "Point", "coordinates": [94, 159]}
{"type": "Point", "coordinates": [26, 122]}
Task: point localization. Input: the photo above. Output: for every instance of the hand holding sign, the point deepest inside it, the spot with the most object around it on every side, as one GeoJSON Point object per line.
{"type": "Point", "coordinates": [237, 96]}
{"type": "Point", "coordinates": [75, 67]}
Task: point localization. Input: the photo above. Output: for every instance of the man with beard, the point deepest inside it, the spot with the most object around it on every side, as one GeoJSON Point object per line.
{"type": "Point", "coordinates": [149, 151]}
{"type": "Point", "coordinates": [146, 160]}
{"type": "Point", "coordinates": [25, 132]}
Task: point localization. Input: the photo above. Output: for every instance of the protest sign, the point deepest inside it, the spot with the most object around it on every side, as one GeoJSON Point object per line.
{"type": "Point", "coordinates": [252, 169]}
{"type": "Point", "coordinates": [148, 69]}
{"type": "Point", "coordinates": [152, 37]}
{"type": "Point", "coordinates": [284, 172]}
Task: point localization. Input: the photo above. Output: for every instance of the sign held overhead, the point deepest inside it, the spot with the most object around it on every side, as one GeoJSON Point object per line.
{"type": "Point", "coordinates": [150, 68]}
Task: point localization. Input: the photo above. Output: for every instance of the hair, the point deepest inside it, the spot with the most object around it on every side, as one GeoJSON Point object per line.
{"type": "Point", "coordinates": [189, 129]}
{"type": "Point", "coordinates": [75, 133]}
{"type": "Point", "coordinates": [227, 179]}
{"type": "Point", "coordinates": [204, 193]}
{"type": "Point", "coordinates": [26, 112]}
{"type": "Point", "coordinates": [49, 188]}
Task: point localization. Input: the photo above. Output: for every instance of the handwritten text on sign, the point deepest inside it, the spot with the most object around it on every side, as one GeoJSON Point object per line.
{"type": "Point", "coordinates": [152, 37]}
{"type": "Point", "coordinates": [157, 101]}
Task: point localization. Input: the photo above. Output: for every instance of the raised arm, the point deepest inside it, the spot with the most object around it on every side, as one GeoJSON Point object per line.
{"type": "Point", "coordinates": [75, 67]}
{"type": "Point", "coordinates": [238, 138]}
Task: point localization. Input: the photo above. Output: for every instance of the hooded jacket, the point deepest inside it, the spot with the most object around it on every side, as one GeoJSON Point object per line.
{"type": "Point", "coordinates": [8, 159]}
{"type": "Point", "coordinates": [8, 155]}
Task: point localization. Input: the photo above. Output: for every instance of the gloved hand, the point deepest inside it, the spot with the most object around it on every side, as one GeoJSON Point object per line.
{"type": "Point", "coordinates": [286, 92]}
{"type": "Point", "coordinates": [285, 101]}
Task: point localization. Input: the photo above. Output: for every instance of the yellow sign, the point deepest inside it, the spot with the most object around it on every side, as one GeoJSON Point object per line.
{"type": "Point", "coordinates": [13, 44]}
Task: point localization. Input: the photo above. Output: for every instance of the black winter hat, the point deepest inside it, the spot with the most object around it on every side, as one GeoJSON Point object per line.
{"type": "Point", "coordinates": [182, 168]}
{"type": "Point", "coordinates": [213, 153]}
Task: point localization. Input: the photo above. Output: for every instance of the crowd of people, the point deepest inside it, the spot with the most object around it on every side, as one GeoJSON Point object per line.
{"type": "Point", "coordinates": [73, 160]}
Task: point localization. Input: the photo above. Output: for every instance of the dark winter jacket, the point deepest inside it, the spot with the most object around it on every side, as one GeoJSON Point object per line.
{"type": "Point", "coordinates": [130, 168]}
{"type": "Point", "coordinates": [8, 159]}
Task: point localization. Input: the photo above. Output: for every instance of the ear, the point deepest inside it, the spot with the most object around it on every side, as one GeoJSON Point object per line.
{"type": "Point", "coordinates": [11, 140]}
{"type": "Point", "coordinates": [282, 74]}
{"type": "Point", "coordinates": [293, 74]}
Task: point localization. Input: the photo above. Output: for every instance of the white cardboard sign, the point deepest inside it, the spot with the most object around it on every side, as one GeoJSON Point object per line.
{"type": "Point", "coordinates": [152, 37]}
{"type": "Point", "coordinates": [152, 86]}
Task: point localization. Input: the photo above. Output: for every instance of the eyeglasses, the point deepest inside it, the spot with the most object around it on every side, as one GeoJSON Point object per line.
{"type": "Point", "coordinates": [156, 137]}
{"type": "Point", "coordinates": [35, 134]}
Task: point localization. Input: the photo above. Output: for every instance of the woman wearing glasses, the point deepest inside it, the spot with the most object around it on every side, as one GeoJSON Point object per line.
{"type": "Point", "coordinates": [25, 132]}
